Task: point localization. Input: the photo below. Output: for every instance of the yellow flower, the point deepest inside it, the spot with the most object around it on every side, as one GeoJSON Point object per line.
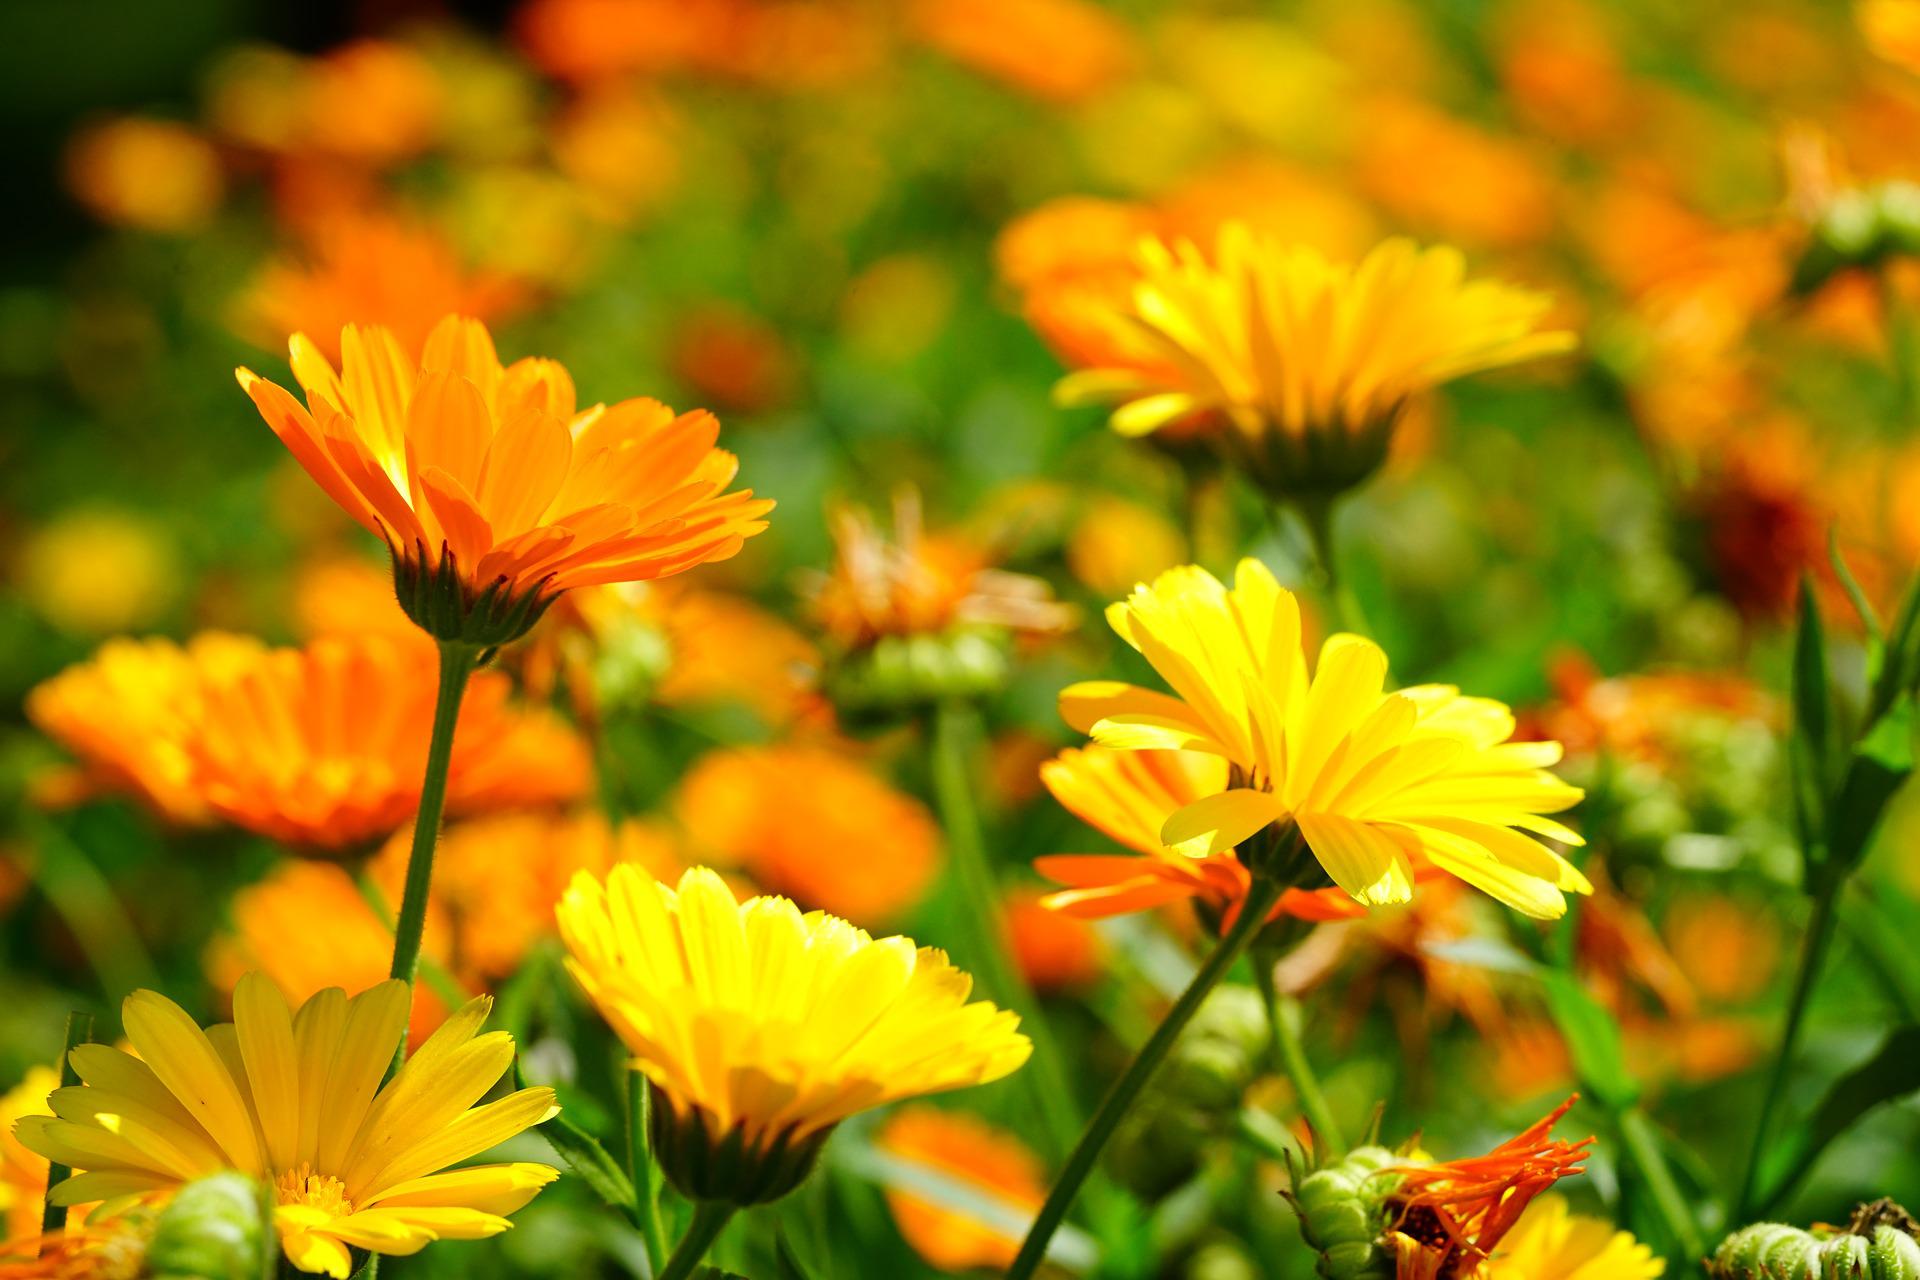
{"type": "Point", "coordinates": [294, 1097]}
{"type": "Point", "coordinates": [1306, 363]}
{"type": "Point", "coordinates": [23, 1173]}
{"type": "Point", "coordinates": [1551, 1244]}
{"type": "Point", "coordinates": [1379, 785]}
{"type": "Point", "coordinates": [492, 492]}
{"type": "Point", "coordinates": [761, 1028]}
{"type": "Point", "coordinates": [99, 571]}
{"type": "Point", "coordinates": [153, 175]}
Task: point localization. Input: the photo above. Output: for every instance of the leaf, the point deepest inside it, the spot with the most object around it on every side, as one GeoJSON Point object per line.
{"type": "Point", "coordinates": [587, 1158]}
{"type": "Point", "coordinates": [1593, 1039]}
{"type": "Point", "coordinates": [1811, 743]}
{"type": "Point", "coordinates": [1880, 765]}
{"type": "Point", "coordinates": [1855, 596]}
{"type": "Point", "coordinates": [1892, 1072]}
{"type": "Point", "coordinates": [1890, 663]}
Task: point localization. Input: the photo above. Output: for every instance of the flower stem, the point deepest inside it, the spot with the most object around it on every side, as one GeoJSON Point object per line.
{"type": "Point", "coordinates": [53, 1217]}
{"type": "Point", "coordinates": [1643, 1148]}
{"type": "Point", "coordinates": [1113, 1108]}
{"type": "Point", "coordinates": [642, 1172]}
{"type": "Point", "coordinates": [1316, 512]}
{"type": "Point", "coordinates": [954, 728]}
{"type": "Point", "coordinates": [709, 1216]}
{"type": "Point", "coordinates": [457, 662]}
{"type": "Point", "coordinates": [1290, 1055]}
{"type": "Point", "coordinates": [1813, 956]}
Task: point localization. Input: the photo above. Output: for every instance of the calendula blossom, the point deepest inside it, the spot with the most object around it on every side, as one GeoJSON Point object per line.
{"type": "Point", "coordinates": [1305, 363]}
{"type": "Point", "coordinates": [761, 1028]}
{"type": "Point", "coordinates": [1378, 785]}
{"type": "Point", "coordinates": [294, 1097]}
{"type": "Point", "coordinates": [1551, 1243]}
{"type": "Point", "coordinates": [492, 489]}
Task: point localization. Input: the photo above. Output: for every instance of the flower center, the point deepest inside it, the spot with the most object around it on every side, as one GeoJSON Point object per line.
{"type": "Point", "coordinates": [301, 1185]}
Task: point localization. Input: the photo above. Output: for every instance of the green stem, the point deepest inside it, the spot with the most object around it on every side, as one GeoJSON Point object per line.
{"type": "Point", "coordinates": [1290, 1056]}
{"type": "Point", "coordinates": [709, 1216]}
{"type": "Point", "coordinates": [1642, 1145]}
{"type": "Point", "coordinates": [1113, 1108]}
{"type": "Point", "coordinates": [53, 1217]}
{"type": "Point", "coordinates": [1812, 956]}
{"type": "Point", "coordinates": [954, 728]}
{"type": "Point", "coordinates": [457, 662]}
{"type": "Point", "coordinates": [1316, 512]}
{"type": "Point", "coordinates": [642, 1172]}
{"type": "Point", "coordinates": [84, 898]}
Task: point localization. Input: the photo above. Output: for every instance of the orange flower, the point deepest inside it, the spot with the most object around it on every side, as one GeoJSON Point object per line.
{"type": "Point", "coordinates": [486, 479]}
{"type": "Point", "coordinates": [988, 1162]}
{"type": "Point", "coordinates": [125, 713]}
{"type": "Point", "coordinates": [371, 267]}
{"type": "Point", "coordinates": [1728, 948]}
{"type": "Point", "coordinates": [1116, 543]}
{"type": "Point", "coordinates": [810, 824]}
{"type": "Point", "coordinates": [155, 175]}
{"type": "Point", "coordinates": [371, 102]}
{"type": "Point", "coordinates": [324, 747]}
{"type": "Point", "coordinates": [732, 359]}
{"type": "Point", "coordinates": [308, 927]}
{"type": "Point", "coordinates": [764, 42]}
{"type": "Point", "coordinates": [1635, 716]}
{"type": "Point", "coordinates": [1496, 192]}
{"type": "Point", "coordinates": [1128, 795]}
{"type": "Point", "coordinates": [1450, 1217]}
{"type": "Point", "coordinates": [1055, 951]}
{"type": "Point", "coordinates": [1063, 51]}
{"type": "Point", "coordinates": [348, 595]}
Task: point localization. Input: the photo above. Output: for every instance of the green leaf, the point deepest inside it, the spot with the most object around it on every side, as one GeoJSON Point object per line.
{"type": "Point", "coordinates": [1848, 583]}
{"type": "Point", "coordinates": [1879, 766]}
{"type": "Point", "coordinates": [1892, 1072]}
{"type": "Point", "coordinates": [587, 1158]}
{"type": "Point", "coordinates": [1593, 1040]}
{"type": "Point", "coordinates": [1891, 663]}
{"type": "Point", "coordinates": [1811, 743]}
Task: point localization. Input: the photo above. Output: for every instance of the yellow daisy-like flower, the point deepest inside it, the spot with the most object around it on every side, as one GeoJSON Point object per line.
{"type": "Point", "coordinates": [294, 1097]}
{"type": "Point", "coordinates": [1305, 363]}
{"type": "Point", "coordinates": [23, 1173]}
{"type": "Point", "coordinates": [761, 1028]}
{"type": "Point", "coordinates": [1377, 784]}
{"type": "Point", "coordinates": [493, 491]}
{"type": "Point", "coordinates": [1549, 1243]}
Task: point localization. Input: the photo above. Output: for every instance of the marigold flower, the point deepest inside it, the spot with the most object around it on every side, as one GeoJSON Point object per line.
{"type": "Point", "coordinates": [155, 175]}
{"type": "Point", "coordinates": [1377, 784]}
{"type": "Point", "coordinates": [491, 491]}
{"type": "Point", "coordinates": [1307, 363]}
{"type": "Point", "coordinates": [1549, 1243]}
{"type": "Point", "coordinates": [368, 102]}
{"type": "Point", "coordinates": [1129, 795]}
{"type": "Point", "coordinates": [294, 1097]}
{"type": "Point", "coordinates": [1449, 1218]}
{"type": "Point", "coordinates": [111, 1250]}
{"type": "Point", "coordinates": [760, 1028]}
{"type": "Point", "coordinates": [23, 1173]}
{"type": "Point", "coordinates": [812, 824]}
{"type": "Point", "coordinates": [324, 747]}
{"type": "Point", "coordinates": [1063, 51]}
{"type": "Point", "coordinates": [1116, 543]}
{"type": "Point", "coordinates": [990, 1162]}
{"type": "Point", "coordinates": [1055, 951]}
{"type": "Point", "coordinates": [1498, 192]}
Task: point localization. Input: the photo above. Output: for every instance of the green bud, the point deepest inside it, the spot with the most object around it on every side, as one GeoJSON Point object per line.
{"type": "Point", "coordinates": [1881, 1243]}
{"type": "Point", "coordinates": [217, 1228]}
{"type": "Point", "coordinates": [1343, 1214]}
{"type": "Point", "coordinates": [899, 675]}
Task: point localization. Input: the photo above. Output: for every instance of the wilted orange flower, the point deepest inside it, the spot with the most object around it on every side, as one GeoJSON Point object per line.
{"type": "Point", "coordinates": [1621, 959]}
{"type": "Point", "coordinates": [371, 267]}
{"type": "Point", "coordinates": [308, 927]}
{"type": "Point", "coordinates": [488, 473]}
{"type": "Point", "coordinates": [23, 1173]}
{"type": "Point", "coordinates": [372, 102]}
{"type": "Point", "coordinates": [1055, 951]}
{"type": "Point", "coordinates": [1129, 795]}
{"type": "Point", "coordinates": [920, 583]}
{"type": "Point", "coordinates": [155, 175]}
{"type": "Point", "coordinates": [1063, 51]}
{"type": "Point", "coordinates": [107, 1250]}
{"type": "Point", "coordinates": [808, 823]}
{"type": "Point", "coordinates": [991, 1163]}
{"type": "Point", "coordinates": [125, 713]}
{"type": "Point", "coordinates": [1450, 1217]}
{"type": "Point", "coordinates": [324, 747]}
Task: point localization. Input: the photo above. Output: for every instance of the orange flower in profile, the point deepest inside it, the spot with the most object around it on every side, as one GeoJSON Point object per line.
{"type": "Point", "coordinates": [124, 714]}
{"type": "Point", "coordinates": [1055, 951]}
{"type": "Point", "coordinates": [1450, 1217]}
{"type": "Point", "coordinates": [323, 748]}
{"type": "Point", "coordinates": [23, 1173]}
{"type": "Point", "coordinates": [371, 267]}
{"type": "Point", "coordinates": [991, 1163]}
{"type": "Point", "coordinates": [308, 927]}
{"type": "Point", "coordinates": [493, 494]}
{"type": "Point", "coordinates": [808, 823]}
{"type": "Point", "coordinates": [1128, 795]}
{"type": "Point", "coordinates": [155, 175]}
{"type": "Point", "coordinates": [1063, 51]}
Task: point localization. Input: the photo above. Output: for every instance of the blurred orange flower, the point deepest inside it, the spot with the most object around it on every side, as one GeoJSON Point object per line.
{"type": "Point", "coordinates": [1055, 951]}
{"type": "Point", "coordinates": [1116, 544]}
{"type": "Point", "coordinates": [460, 464]}
{"type": "Point", "coordinates": [1891, 29]}
{"type": "Point", "coordinates": [619, 144]}
{"type": "Point", "coordinates": [777, 43]}
{"type": "Point", "coordinates": [1635, 716]}
{"type": "Point", "coordinates": [344, 594]}
{"type": "Point", "coordinates": [1727, 947]}
{"type": "Point", "coordinates": [371, 102]}
{"type": "Point", "coordinates": [1496, 193]}
{"type": "Point", "coordinates": [1063, 51]}
{"type": "Point", "coordinates": [732, 359]}
{"type": "Point", "coordinates": [154, 175]}
{"type": "Point", "coordinates": [811, 824]}
{"type": "Point", "coordinates": [989, 1162]}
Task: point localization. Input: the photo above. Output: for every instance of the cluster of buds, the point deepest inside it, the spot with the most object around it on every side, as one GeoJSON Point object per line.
{"type": "Point", "coordinates": [1860, 228]}
{"type": "Point", "coordinates": [1882, 1242]}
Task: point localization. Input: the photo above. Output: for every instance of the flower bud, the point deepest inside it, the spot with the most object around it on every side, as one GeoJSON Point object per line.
{"type": "Point", "coordinates": [214, 1227]}
{"type": "Point", "coordinates": [1342, 1208]}
{"type": "Point", "coordinates": [703, 1164]}
{"type": "Point", "coordinates": [1882, 1242]}
{"type": "Point", "coordinates": [441, 603]}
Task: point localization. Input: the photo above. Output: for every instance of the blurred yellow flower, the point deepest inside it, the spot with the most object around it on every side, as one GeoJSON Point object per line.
{"type": "Point", "coordinates": [1549, 1243]}
{"type": "Point", "coordinates": [1307, 363]}
{"type": "Point", "coordinates": [91, 572]}
{"type": "Point", "coordinates": [23, 1173]}
{"type": "Point", "coordinates": [294, 1097]}
{"type": "Point", "coordinates": [989, 1162]}
{"type": "Point", "coordinates": [1891, 28]}
{"type": "Point", "coordinates": [763, 1027]}
{"type": "Point", "coordinates": [369, 102]}
{"type": "Point", "coordinates": [812, 824]}
{"type": "Point", "coordinates": [154, 175]}
{"type": "Point", "coordinates": [1116, 543]}
{"type": "Point", "coordinates": [1377, 784]}
{"type": "Point", "coordinates": [488, 475]}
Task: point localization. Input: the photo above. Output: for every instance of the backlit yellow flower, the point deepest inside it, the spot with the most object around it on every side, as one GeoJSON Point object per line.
{"type": "Point", "coordinates": [23, 1173]}
{"type": "Point", "coordinates": [758, 1024]}
{"type": "Point", "coordinates": [1550, 1243]}
{"type": "Point", "coordinates": [294, 1097]}
{"type": "Point", "coordinates": [1379, 785]}
{"type": "Point", "coordinates": [493, 492]}
{"type": "Point", "coordinates": [1306, 363]}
